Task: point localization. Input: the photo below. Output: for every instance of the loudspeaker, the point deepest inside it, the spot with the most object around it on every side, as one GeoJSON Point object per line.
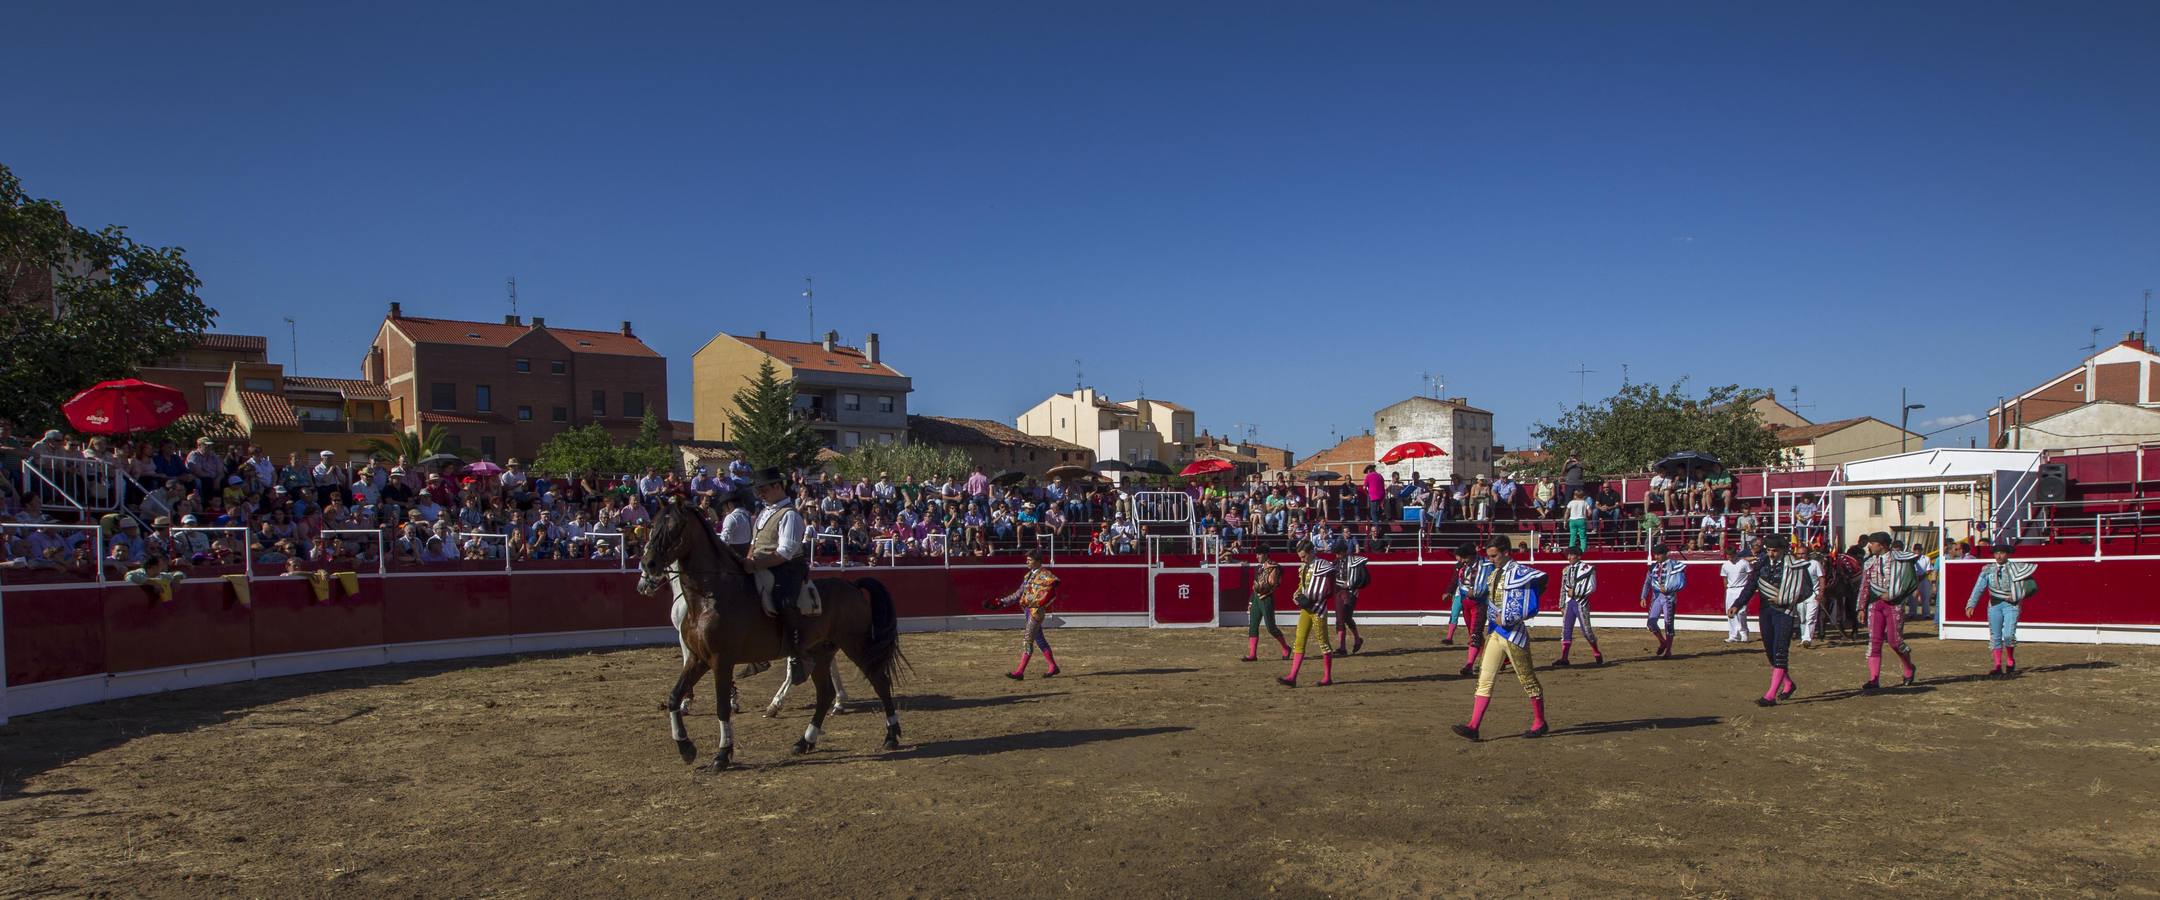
{"type": "Point", "coordinates": [2054, 485]}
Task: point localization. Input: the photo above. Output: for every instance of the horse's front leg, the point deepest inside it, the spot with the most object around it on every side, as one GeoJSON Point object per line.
{"type": "Point", "coordinates": [674, 707]}
{"type": "Point", "coordinates": [723, 689]}
{"type": "Point", "coordinates": [821, 676]}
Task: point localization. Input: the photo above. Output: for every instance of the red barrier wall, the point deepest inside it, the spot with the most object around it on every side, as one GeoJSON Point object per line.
{"type": "Point", "coordinates": [54, 632]}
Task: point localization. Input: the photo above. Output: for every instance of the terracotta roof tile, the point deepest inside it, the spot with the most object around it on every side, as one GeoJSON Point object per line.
{"type": "Point", "coordinates": [265, 409]}
{"type": "Point", "coordinates": [812, 356]}
{"type": "Point", "coordinates": [241, 343]}
{"type": "Point", "coordinates": [497, 334]}
{"type": "Point", "coordinates": [449, 418]}
{"type": "Point", "coordinates": [1804, 434]}
{"type": "Point", "coordinates": [350, 387]}
{"type": "Point", "coordinates": [1357, 449]}
{"type": "Point", "coordinates": [979, 432]}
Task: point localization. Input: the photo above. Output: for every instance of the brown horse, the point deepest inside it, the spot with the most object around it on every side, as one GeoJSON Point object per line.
{"type": "Point", "coordinates": [727, 625]}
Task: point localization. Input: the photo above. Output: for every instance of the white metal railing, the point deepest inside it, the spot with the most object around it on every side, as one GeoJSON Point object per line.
{"type": "Point", "coordinates": [2015, 507]}
{"type": "Point", "coordinates": [208, 542]}
{"type": "Point", "coordinates": [1163, 508]}
{"type": "Point", "coordinates": [94, 534]}
{"type": "Point", "coordinates": [368, 534]}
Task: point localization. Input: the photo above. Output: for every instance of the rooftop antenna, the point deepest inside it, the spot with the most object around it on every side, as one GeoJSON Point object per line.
{"type": "Point", "coordinates": [295, 330]}
{"type": "Point", "coordinates": [2145, 321]}
{"type": "Point", "coordinates": [1143, 389]}
{"type": "Point", "coordinates": [1582, 384]}
{"type": "Point", "coordinates": [2095, 345]}
{"type": "Point", "coordinates": [513, 295]}
{"type": "Point", "coordinates": [1797, 406]}
{"type": "Point", "coordinates": [1623, 375]}
{"type": "Point", "coordinates": [810, 305]}
{"type": "Point", "coordinates": [1077, 378]}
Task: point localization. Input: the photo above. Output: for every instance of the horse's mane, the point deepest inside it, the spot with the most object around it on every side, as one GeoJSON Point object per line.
{"type": "Point", "coordinates": [731, 563]}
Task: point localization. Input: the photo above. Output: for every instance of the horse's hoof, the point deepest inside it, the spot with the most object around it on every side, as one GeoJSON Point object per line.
{"type": "Point", "coordinates": [720, 761]}
{"type": "Point", "coordinates": [771, 712]}
{"type": "Point", "coordinates": [803, 746]}
{"type": "Point", "coordinates": [838, 709]}
{"type": "Point", "coordinates": [688, 751]}
{"type": "Point", "coordinates": [892, 738]}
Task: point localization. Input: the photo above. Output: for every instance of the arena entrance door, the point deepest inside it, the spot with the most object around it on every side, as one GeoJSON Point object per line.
{"type": "Point", "coordinates": [1182, 582]}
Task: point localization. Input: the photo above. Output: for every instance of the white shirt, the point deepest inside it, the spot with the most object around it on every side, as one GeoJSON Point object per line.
{"type": "Point", "coordinates": [736, 528]}
{"type": "Point", "coordinates": [1578, 508]}
{"type": "Point", "coordinates": [1736, 577]}
{"type": "Point", "coordinates": [791, 528]}
{"type": "Point", "coordinates": [1713, 522]}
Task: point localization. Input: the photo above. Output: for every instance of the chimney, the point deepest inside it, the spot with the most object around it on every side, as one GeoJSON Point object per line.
{"type": "Point", "coordinates": [870, 349]}
{"type": "Point", "coordinates": [831, 338]}
{"type": "Point", "coordinates": [512, 319]}
{"type": "Point", "coordinates": [539, 322]}
{"type": "Point", "coordinates": [626, 329]}
{"type": "Point", "coordinates": [761, 335]}
{"type": "Point", "coordinates": [395, 312]}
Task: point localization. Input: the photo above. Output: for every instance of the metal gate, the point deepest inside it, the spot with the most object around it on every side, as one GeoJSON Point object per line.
{"type": "Point", "coordinates": [1183, 598]}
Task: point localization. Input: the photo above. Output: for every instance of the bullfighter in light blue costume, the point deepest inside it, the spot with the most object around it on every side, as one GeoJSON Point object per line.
{"type": "Point", "coordinates": [1660, 595]}
{"type": "Point", "coordinates": [1509, 592]}
{"type": "Point", "coordinates": [2007, 585]}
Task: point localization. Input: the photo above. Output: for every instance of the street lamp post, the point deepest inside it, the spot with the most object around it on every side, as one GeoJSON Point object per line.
{"type": "Point", "coordinates": [1905, 408]}
{"type": "Point", "coordinates": [1905, 417]}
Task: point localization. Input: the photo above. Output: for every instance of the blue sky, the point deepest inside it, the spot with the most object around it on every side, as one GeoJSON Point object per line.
{"type": "Point", "coordinates": [1280, 215]}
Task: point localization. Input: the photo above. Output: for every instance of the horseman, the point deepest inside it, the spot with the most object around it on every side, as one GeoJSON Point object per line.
{"type": "Point", "coordinates": [776, 546]}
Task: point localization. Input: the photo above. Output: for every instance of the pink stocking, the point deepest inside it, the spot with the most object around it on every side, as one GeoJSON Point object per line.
{"type": "Point", "coordinates": [1537, 713]}
{"type": "Point", "coordinates": [1252, 647]}
{"type": "Point", "coordinates": [1477, 711]}
{"type": "Point", "coordinates": [1874, 667]}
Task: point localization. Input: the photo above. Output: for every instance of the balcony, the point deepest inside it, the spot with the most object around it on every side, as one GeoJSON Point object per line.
{"type": "Point", "coordinates": [346, 426]}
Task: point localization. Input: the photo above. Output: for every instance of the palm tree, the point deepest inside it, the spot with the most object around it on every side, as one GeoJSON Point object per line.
{"type": "Point", "coordinates": [415, 446]}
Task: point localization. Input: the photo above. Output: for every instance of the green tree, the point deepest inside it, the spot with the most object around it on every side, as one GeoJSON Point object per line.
{"type": "Point", "coordinates": [1644, 422]}
{"type": "Point", "coordinates": [767, 427]}
{"type": "Point", "coordinates": [917, 461]}
{"type": "Point", "coordinates": [78, 306]}
{"type": "Point", "coordinates": [416, 447]}
{"type": "Point", "coordinates": [592, 449]}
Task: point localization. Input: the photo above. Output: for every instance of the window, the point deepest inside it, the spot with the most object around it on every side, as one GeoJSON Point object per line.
{"type": "Point", "coordinates": [487, 447]}
{"type": "Point", "coordinates": [483, 398]}
{"type": "Point", "coordinates": [884, 437]}
{"type": "Point", "coordinates": [524, 413]}
{"type": "Point", "coordinates": [851, 439]}
{"type": "Point", "coordinates": [884, 404]}
{"type": "Point", "coordinates": [851, 402]}
{"type": "Point", "coordinates": [258, 384]}
{"type": "Point", "coordinates": [599, 404]}
{"type": "Point", "coordinates": [560, 414]}
{"type": "Point", "coordinates": [1919, 503]}
{"type": "Point", "coordinates": [213, 396]}
{"type": "Point", "coordinates": [524, 365]}
{"type": "Point", "coordinates": [1874, 506]}
{"type": "Point", "coordinates": [1061, 421]}
{"type": "Point", "coordinates": [633, 404]}
{"type": "Point", "coordinates": [558, 367]}
{"type": "Point", "coordinates": [442, 395]}
{"type": "Point", "coordinates": [454, 441]}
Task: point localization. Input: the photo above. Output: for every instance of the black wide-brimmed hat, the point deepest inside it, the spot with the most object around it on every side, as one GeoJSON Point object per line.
{"type": "Point", "coordinates": [768, 475]}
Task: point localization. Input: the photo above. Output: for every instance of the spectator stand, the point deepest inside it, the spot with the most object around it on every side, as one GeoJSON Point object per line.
{"type": "Point", "coordinates": [34, 568]}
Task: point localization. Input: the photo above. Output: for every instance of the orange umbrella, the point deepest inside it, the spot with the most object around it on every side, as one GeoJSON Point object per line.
{"type": "Point", "coordinates": [1412, 450]}
{"type": "Point", "coordinates": [1211, 466]}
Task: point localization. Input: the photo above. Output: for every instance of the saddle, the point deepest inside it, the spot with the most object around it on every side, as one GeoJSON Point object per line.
{"type": "Point", "coordinates": [809, 603]}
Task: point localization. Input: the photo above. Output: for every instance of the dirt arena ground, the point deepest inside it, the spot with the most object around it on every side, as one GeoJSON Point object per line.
{"type": "Point", "coordinates": [1157, 765]}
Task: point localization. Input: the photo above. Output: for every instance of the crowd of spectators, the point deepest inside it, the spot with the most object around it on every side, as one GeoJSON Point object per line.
{"type": "Point", "coordinates": [225, 503]}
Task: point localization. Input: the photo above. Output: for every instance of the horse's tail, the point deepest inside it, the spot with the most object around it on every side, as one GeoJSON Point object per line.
{"type": "Point", "coordinates": [883, 656]}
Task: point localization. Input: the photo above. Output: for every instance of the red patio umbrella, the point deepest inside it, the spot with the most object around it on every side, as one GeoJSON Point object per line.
{"type": "Point", "coordinates": [1412, 450]}
{"type": "Point", "coordinates": [1211, 466]}
{"type": "Point", "coordinates": [125, 406]}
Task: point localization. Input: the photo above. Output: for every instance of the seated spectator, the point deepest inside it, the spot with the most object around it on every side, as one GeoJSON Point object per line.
{"type": "Point", "coordinates": [1660, 491]}
{"type": "Point", "coordinates": [1712, 536]}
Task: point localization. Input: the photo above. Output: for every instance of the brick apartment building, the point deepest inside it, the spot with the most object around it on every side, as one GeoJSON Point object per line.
{"type": "Point", "coordinates": [2111, 398]}
{"type": "Point", "coordinates": [505, 388]}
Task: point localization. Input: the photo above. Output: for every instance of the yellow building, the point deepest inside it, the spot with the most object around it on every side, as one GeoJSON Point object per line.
{"type": "Point", "coordinates": [285, 414]}
{"type": "Point", "coordinates": [1133, 431]}
{"type": "Point", "coordinates": [1844, 441]}
{"type": "Point", "coordinates": [850, 395]}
